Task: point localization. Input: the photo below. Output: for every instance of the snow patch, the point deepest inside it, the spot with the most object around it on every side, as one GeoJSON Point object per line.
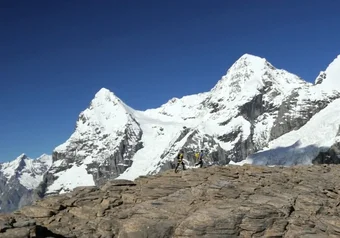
{"type": "Point", "coordinates": [332, 80]}
{"type": "Point", "coordinates": [69, 179]}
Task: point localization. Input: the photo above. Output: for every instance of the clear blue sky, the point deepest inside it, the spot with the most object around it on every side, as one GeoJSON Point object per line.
{"type": "Point", "coordinates": [55, 55]}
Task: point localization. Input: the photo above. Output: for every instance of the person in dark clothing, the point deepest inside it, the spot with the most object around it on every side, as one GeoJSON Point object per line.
{"type": "Point", "coordinates": [180, 157]}
{"type": "Point", "coordinates": [200, 160]}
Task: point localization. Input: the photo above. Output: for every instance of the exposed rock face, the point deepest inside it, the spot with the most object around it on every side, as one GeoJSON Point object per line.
{"type": "Point", "coordinates": [330, 156]}
{"type": "Point", "coordinates": [294, 112]}
{"type": "Point", "coordinates": [233, 201]}
{"type": "Point", "coordinates": [320, 78]}
{"type": "Point", "coordinates": [103, 144]}
{"type": "Point", "coordinates": [190, 141]}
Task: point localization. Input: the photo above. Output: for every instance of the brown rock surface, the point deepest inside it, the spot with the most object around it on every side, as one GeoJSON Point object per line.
{"type": "Point", "coordinates": [232, 201]}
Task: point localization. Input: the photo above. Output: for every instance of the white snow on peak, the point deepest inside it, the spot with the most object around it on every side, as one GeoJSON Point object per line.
{"type": "Point", "coordinates": [107, 115]}
{"type": "Point", "coordinates": [45, 158]}
{"type": "Point", "coordinates": [250, 60]}
{"type": "Point", "coordinates": [245, 79]}
{"type": "Point", "coordinates": [303, 145]}
{"type": "Point", "coordinates": [101, 127]}
{"type": "Point", "coordinates": [332, 76]}
{"type": "Point", "coordinates": [248, 76]}
{"type": "Point", "coordinates": [69, 179]}
{"type": "Point", "coordinates": [99, 131]}
{"type": "Point", "coordinates": [23, 155]}
{"type": "Point", "coordinates": [105, 94]}
{"type": "Point", "coordinates": [9, 168]}
{"type": "Point", "coordinates": [178, 109]}
{"type": "Point", "coordinates": [28, 171]}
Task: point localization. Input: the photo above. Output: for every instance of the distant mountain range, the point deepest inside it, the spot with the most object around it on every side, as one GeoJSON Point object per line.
{"type": "Point", "coordinates": [255, 114]}
{"type": "Point", "coordinates": [19, 178]}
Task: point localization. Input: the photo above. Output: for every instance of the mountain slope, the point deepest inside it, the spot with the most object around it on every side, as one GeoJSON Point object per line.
{"type": "Point", "coordinates": [19, 178]}
{"type": "Point", "coordinates": [250, 108]}
{"type": "Point", "coordinates": [105, 139]}
{"type": "Point", "coordinates": [329, 79]}
{"type": "Point", "coordinates": [303, 146]}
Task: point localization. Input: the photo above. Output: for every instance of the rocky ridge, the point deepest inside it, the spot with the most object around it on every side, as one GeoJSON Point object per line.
{"type": "Point", "coordinates": [229, 201]}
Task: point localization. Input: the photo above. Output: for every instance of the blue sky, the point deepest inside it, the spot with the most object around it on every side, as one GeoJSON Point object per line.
{"type": "Point", "coordinates": [55, 55]}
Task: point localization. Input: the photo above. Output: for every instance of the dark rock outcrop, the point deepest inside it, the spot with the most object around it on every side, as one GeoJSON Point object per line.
{"type": "Point", "coordinates": [292, 116]}
{"type": "Point", "coordinates": [322, 76]}
{"type": "Point", "coordinates": [232, 201]}
{"type": "Point", "coordinates": [213, 153]}
{"type": "Point", "coordinates": [330, 156]}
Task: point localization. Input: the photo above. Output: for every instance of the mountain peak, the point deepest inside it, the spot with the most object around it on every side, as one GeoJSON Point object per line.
{"type": "Point", "coordinates": [248, 63]}
{"type": "Point", "coordinates": [10, 168]}
{"type": "Point", "coordinates": [45, 158]}
{"type": "Point", "coordinates": [21, 157]}
{"type": "Point", "coordinates": [43, 155]}
{"type": "Point", "coordinates": [19, 161]}
{"type": "Point", "coordinates": [250, 75]}
{"type": "Point", "coordinates": [247, 68]}
{"type": "Point", "coordinates": [250, 57]}
{"type": "Point", "coordinates": [106, 115]}
{"type": "Point", "coordinates": [250, 60]}
{"type": "Point", "coordinates": [104, 100]}
{"type": "Point", "coordinates": [330, 79]}
{"type": "Point", "coordinates": [105, 94]}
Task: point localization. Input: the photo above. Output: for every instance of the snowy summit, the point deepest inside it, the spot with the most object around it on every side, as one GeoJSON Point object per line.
{"type": "Point", "coordinates": [255, 113]}
{"type": "Point", "coordinates": [28, 171]}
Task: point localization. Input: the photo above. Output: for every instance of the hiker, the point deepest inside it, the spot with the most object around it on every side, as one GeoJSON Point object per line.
{"type": "Point", "coordinates": [180, 157]}
{"type": "Point", "coordinates": [197, 155]}
{"type": "Point", "coordinates": [200, 159]}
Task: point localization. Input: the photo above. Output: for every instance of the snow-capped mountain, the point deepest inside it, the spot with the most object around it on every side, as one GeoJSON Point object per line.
{"type": "Point", "coordinates": [319, 139]}
{"type": "Point", "coordinates": [19, 178]}
{"type": "Point", "coordinates": [250, 109]}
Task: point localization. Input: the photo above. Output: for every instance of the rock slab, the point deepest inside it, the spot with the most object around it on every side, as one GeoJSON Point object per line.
{"type": "Point", "coordinates": [229, 201]}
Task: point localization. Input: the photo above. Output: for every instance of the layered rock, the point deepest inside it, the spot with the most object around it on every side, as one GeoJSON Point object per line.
{"type": "Point", "coordinates": [231, 201]}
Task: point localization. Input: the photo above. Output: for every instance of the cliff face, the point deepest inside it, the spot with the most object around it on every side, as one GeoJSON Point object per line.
{"type": "Point", "coordinates": [230, 201]}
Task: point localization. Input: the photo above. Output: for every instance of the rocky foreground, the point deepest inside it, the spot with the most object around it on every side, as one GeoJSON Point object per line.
{"type": "Point", "coordinates": [233, 201]}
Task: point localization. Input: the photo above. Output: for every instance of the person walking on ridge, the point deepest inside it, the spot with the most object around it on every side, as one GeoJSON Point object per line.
{"type": "Point", "coordinates": [200, 159]}
{"type": "Point", "coordinates": [180, 157]}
